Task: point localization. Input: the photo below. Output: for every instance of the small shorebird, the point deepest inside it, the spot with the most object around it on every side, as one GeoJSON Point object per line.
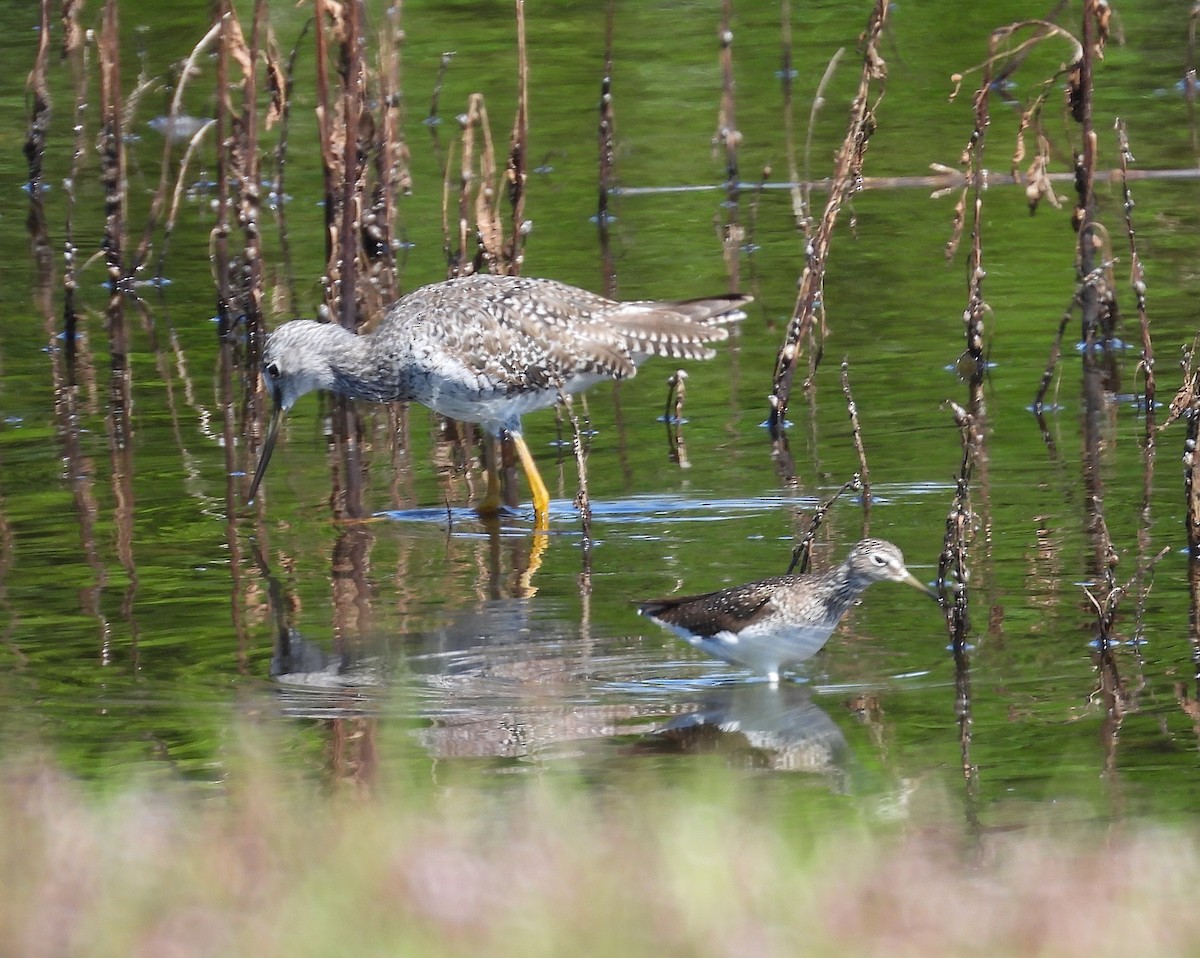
{"type": "Point", "coordinates": [776, 622]}
{"type": "Point", "coordinates": [486, 349]}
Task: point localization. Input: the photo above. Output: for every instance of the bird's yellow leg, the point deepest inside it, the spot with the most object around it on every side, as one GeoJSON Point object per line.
{"type": "Point", "coordinates": [491, 503]}
{"type": "Point", "coordinates": [537, 488]}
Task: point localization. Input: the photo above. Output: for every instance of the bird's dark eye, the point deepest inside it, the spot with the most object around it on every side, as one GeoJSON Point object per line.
{"type": "Point", "coordinates": [878, 559]}
{"type": "Point", "coordinates": [273, 370]}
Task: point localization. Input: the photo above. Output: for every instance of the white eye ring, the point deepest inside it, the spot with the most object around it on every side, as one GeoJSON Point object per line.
{"type": "Point", "coordinates": [878, 559]}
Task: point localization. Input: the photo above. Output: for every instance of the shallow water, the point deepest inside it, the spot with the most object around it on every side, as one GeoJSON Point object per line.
{"type": "Point", "coordinates": [144, 620]}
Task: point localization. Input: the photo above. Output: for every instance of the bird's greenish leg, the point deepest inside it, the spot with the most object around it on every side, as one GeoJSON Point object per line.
{"type": "Point", "coordinates": [492, 502]}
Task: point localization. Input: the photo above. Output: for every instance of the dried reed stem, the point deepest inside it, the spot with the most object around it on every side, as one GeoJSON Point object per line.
{"type": "Point", "coordinates": [847, 172]}
{"type": "Point", "coordinates": [864, 471]}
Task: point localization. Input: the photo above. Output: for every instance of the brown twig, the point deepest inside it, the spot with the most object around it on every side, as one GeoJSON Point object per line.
{"type": "Point", "coordinates": [864, 471]}
{"type": "Point", "coordinates": [802, 551]}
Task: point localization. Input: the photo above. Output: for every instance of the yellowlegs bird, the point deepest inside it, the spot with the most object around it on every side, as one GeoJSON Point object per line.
{"type": "Point", "coordinates": [776, 622]}
{"type": "Point", "coordinates": [486, 349]}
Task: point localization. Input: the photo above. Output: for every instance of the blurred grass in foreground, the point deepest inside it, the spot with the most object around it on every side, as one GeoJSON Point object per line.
{"type": "Point", "coordinates": [710, 862]}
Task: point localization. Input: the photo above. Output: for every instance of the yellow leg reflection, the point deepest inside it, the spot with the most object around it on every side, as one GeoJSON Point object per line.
{"type": "Point", "coordinates": [541, 498]}
{"type": "Point", "coordinates": [537, 549]}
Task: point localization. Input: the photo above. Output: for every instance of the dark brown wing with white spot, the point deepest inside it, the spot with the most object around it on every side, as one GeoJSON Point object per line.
{"type": "Point", "coordinates": [729, 610]}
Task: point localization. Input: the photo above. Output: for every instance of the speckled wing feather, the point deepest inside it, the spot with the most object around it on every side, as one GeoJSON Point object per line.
{"type": "Point", "coordinates": [516, 340]}
{"type": "Point", "coordinates": [728, 610]}
{"type": "Point", "coordinates": [528, 333]}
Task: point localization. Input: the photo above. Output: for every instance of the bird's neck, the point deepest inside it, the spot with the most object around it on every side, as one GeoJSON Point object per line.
{"type": "Point", "coordinates": [843, 588]}
{"type": "Point", "coordinates": [355, 370]}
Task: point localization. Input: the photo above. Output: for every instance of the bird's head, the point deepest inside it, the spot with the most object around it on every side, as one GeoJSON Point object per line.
{"type": "Point", "coordinates": [876, 560]}
{"type": "Point", "coordinates": [297, 359]}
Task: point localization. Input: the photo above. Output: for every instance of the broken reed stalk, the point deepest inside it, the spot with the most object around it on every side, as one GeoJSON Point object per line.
{"type": "Point", "coordinates": [228, 307]}
{"type": "Point", "coordinates": [180, 190]}
{"type": "Point", "coordinates": [952, 565]}
{"type": "Point", "coordinates": [1107, 603]}
{"type": "Point", "coordinates": [727, 135]}
{"type": "Point", "coordinates": [443, 67]}
{"type": "Point", "coordinates": [249, 199]}
{"type": "Point", "coordinates": [1039, 400]}
{"type": "Point", "coordinates": [582, 499]}
{"type": "Point", "coordinates": [953, 574]}
{"type": "Point", "coordinates": [1186, 404]}
{"type": "Point", "coordinates": [76, 50]}
{"type": "Point", "coordinates": [345, 154]}
{"type": "Point", "coordinates": [112, 158]}
{"type": "Point", "coordinates": [169, 139]}
{"type": "Point", "coordinates": [787, 74]}
{"type": "Point", "coordinates": [35, 151]}
{"type": "Point", "coordinates": [1189, 75]}
{"type": "Point", "coordinates": [673, 417]}
{"type": "Point", "coordinates": [219, 237]}
{"type": "Point", "coordinates": [281, 94]}
{"type": "Point", "coordinates": [728, 138]}
{"type": "Point", "coordinates": [847, 172]}
{"type": "Point", "coordinates": [324, 133]}
{"type": "Point", "coordinates": [1137, 280]}
{"type": "Point", "coordinates": [605, 132]}
{"type": "Point", "coordinates": [485, 224]}
{"type": "Point", "coordinates": [676, 393]}
{"type": "Point", "coordinates": [864, 471]}
{"type": "Point", "coordinates": [1094, 294]}
{"type": "Point", "coordinates": [1097, 312]}
{"type": "Point", "coordinates": [802, 550]}
{"type": "Point", "coordinates": [804, 221]}
{"type": "Point", "coordinates": [517, 172]}
{"type": "Point", "coordinates": [345, 267]}
{"type": "Point", "coordinates": [392, 175]}
{"type": "Point", "coordinates": [973, 168]}
{"type": "Point", "coordinates": [111, 144]}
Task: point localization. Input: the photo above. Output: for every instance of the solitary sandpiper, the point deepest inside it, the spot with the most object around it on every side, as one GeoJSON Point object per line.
{"type": "Point", "coordinates": [778, 622]}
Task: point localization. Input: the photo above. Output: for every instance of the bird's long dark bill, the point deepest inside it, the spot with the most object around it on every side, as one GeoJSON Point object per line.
{"type": "Point", "coordinates": [916, 584]}
{"type": "Point", "coordinates": [268, 446]}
